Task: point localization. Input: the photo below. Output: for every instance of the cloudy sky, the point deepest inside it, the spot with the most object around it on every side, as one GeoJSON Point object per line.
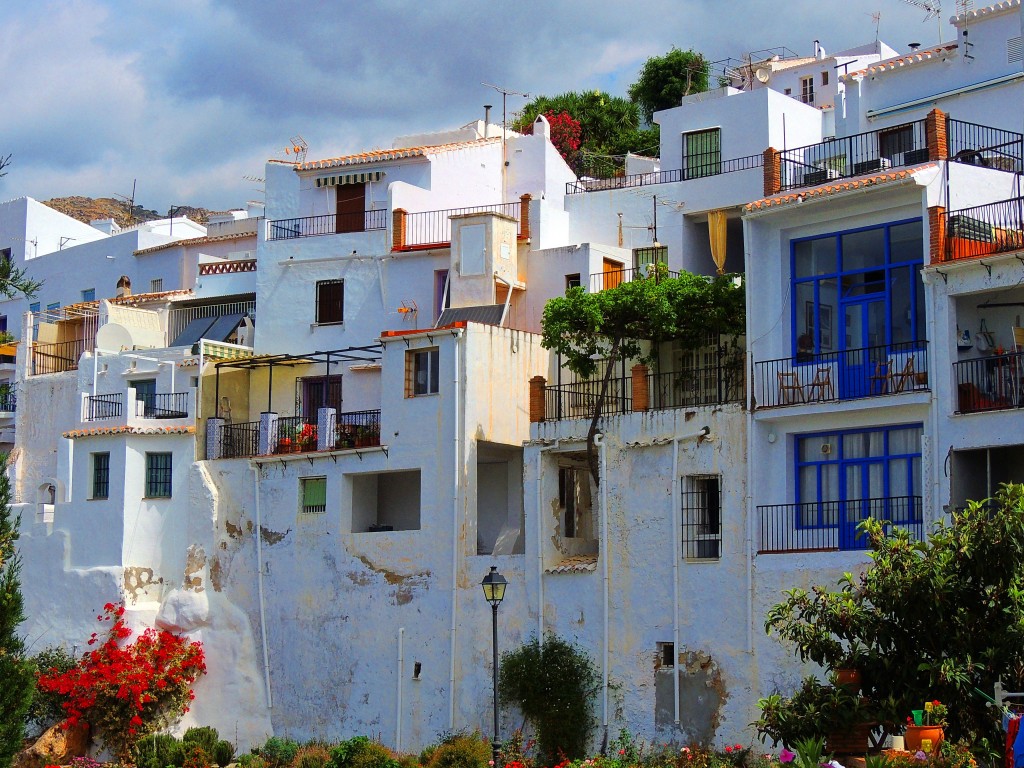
{"type": "Point", "coordinates": [190, 97]}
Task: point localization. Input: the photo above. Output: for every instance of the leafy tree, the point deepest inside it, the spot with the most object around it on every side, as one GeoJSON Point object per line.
{"type": "Point", "coordinates": [14, 281]}
{"type": "Point", "coordinates": [937, 619]}
{"type": "Point", "coordinates": [553, 683]}
{"type": "Point", "coordinates": [630, 320]}
{"type": "Point", "coordinates": [15, 669]}
{"type": "Point", "coordinates": [665, 80]}
{"type": "Point", "coordinates": [47, 708]}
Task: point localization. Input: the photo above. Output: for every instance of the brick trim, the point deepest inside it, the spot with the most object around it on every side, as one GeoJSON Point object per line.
{"type": "Point", "coordinates": [524, 216]}
{"type": "Point", "coordinates": [398, 229]}
{"type": "Point", "coordinates": [937, 234]}
{"type": "Point", "coordinates": [537, 384]}
{"type": "Point", "coordinates": [641, 395]}
{"type": "Point", "coordinates": [935, 135]}
{"type": "Point", "coordinates": [772, 172]}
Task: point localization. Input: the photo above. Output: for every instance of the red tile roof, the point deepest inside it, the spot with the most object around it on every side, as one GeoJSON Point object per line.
{"type": "Point", "coordinates": [575, 564]}
{"type": "Point", "coordinates": [937, 53]}
{"type": "Point", "coordinates": [98, 431]}
{"type": "Point", "coordinates": [988, 10]}
{"type": "Point", "coordinates": [860, 182]}
{"type": "Point", "coordinates": [382, 155]}
{"type": "Point", "coordinates": [188, 242]}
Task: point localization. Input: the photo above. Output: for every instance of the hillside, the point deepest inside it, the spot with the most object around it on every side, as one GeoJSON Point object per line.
{"type": "Point", "coordinates": [87, 209]}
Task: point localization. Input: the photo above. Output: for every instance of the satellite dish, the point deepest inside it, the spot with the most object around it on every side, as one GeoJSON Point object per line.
{"type": "Point", "coordinates": [763, 74]}
{"type": "Point", "coordinates": [114, 337]}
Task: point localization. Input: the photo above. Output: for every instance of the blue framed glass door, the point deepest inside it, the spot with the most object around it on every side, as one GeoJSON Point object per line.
{"type": "Point", "coordinates": [862, 343]}
{"type": "Point", "coordinates": [864, 487]}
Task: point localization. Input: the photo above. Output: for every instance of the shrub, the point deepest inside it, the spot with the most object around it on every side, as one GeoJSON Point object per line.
{"type": "Point", "coordinates": [159, 751]}
{"type": "Point", "coordinates": [223, 752]}
{"type": "Point", "coordinates": [360, 752]}
{"type": "Point", "coordinates": [46, 709]}
{"type": "Point", "coordinates": [277, 752]}
{"type": "Point", "coordinates": [251, 761]}
{"type": "Point", "coordinates": [312, 756]}
{"type": "Point", "coordinates": [196, 756]}
{"type": "Point", "coordinates": [462, 752]}
{"type": "Point", "coordinates": [205, 736]}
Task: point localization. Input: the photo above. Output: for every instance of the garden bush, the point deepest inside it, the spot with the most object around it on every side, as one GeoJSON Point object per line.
{"type": "Point", "coordinates": [250, 760]}
{"type": "Point", "coordinates": [205, 736]}
{"type": "Point", "coordinates": [223, 752]}
{"type": "Point", "coordinates": [312, 756]}
{"type": "Point", "coordinates": [46, 709]}
{"type": "Point", "coordinates": [159, 750]}
{"type": "Point", "coordinates": [360, 752]}
{"type": "Point", "coordinates": [278, 752]}
{"type": "Point", "coordinates": [461, 751]}
{"type": "Point", "coordinates": [196, 756]}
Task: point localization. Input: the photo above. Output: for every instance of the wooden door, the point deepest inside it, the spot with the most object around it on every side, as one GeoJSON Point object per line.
{"type": "Point", "coordinates": [351, 208]}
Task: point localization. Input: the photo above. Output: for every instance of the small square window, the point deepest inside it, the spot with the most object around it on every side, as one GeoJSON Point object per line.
{"type": "Point", "coordinates": [54, 305]}
{"type": "Point", "coordinates": [824, 78]}
{"type": "Point", "coordinates": [573, 281]}
{"type": "Point", "coordinates": [666, 654]}
{"type": "Point", "coordinates": [89, 294]}
{"type": "Point", "coordinates": [158, 475]}
{"type": "Point", "coordinates": [422, 376]}
{"type": "Point", "coordinates": [702, 517]}
{"type": "Point", "coordinates": [100, 475]}
{"type": "Point", "coordinates": [788, 91]}
{"type": "Point", "coordinates": [34, 306]}
{"type": "Point", "coordinates": [156, 285]}
{"type": "Point", "coordinates": [330, 301]}
{"type": "Point", "coordinates": [314, 495]}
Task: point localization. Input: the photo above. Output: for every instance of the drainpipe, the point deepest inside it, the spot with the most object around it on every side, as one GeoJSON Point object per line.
{"type": "Point", "coordinates": [748, 503]}
{"type": "Point", "coordinates": [456, 476]}
{"type": "Point", "coordinates": [675, 541]}
{"type": "Point", "coordinates": [259, 582]}
{"type": "Point", "coordinates": [540, 540]}
{"type": "Point", "coordinates": [606, 557]}
{"type": "Point", "coordinates": [401, 673]}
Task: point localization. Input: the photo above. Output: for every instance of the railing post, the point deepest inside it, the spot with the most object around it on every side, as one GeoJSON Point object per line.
{"type": "Point", "coordinates": [214, 437]}
{"type": "Point", "coordinates": [398, 229]}
{"type": "Point", "coordinates": [537, 384]}
{"type": "Point", "coordinates": [268, 433]}
{"type": "Point", "coordinates": [935, 135]}
{"type": "Point", "coordinates": [524, 216]}
{"type": "Point", "coordinates": [937, 243]}
{"type": "Point", "coordinates": [772, 171]}
{"type": "Point", "coordinates": [326, 428]}
{"type": "Point", "coordinates": [641, 393]}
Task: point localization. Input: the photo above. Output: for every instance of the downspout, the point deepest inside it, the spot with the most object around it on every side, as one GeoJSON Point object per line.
{"type": "Point", "coordinates": [540, 540]}
{"type": "Point", "coordinates": [675, 540]}
{"type": "Point", "coordinates": [748, 502]}
{"type": "Point", "coordinates": [456, 475]}
{"type": "Point", "coordinates": [401, 673]}
{"type": "Point", "coordinates": [259, 582]}
{"type": "Point", "coordinates": [606, 557]}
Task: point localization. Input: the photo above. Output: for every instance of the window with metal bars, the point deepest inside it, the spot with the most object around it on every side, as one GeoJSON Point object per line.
{"type": "Point", "coordinates": [330, 301]}
{"type": "Point", "coordinates": [158, 475]}
{"type": "Point", "coordinates": [100, 475]}
{"type": "Point", "coordinates": [314, 495]}
{"type": "Point", "coordinates": [702, 153]}
{"type": "Point", "coordinates": [702, 517]}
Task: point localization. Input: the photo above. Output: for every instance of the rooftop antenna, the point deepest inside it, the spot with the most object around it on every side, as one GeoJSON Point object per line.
{"type": "Point", "coordinates": [257, 180]}
{"type": "Point", "coordinates": [130, 203]}
{"type": "Point", "coordinates": [962, 7]}
{"type": "Point", "coordinates": [505, 93]}
{"type": "Point", "coordinates": [932, 9]}
{"type": "Point", "coordinates": [298, 148]}
{"type": "Point", "coordinates": [877, 18]}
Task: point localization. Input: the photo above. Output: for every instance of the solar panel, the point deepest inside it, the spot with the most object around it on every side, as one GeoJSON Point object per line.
{"type": "Point", "coordinates": [193, 332]}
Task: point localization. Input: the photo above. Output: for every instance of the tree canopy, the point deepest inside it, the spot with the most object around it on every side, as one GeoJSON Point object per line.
{"type": "Point", "coordinates": [937, 619]}
{"type": "Point", "coordinates": [665, 80]}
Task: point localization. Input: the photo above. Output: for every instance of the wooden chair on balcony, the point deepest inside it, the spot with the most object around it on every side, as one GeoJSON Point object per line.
{"type": "Point", "coordinates": [821, 388]}
{"type": "Point", "coordinates": [1018, 364]}
{"type": "Point", "coordinates": [880, 381]}
{"type": "Point", "coordinates": [904, 377]}
{"type": "Point", "coordinates": [790, 389]}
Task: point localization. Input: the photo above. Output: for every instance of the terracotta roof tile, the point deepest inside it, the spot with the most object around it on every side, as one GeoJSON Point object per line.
{"type": "Point", "coordinates": [988, 10]}
{"type": "Point", "coordinates": [188, 242]}
{"type": "Point", "coordinates": [575, 564]}
{"type": "Point", "coordinates": [859, 182]}
{"type": "Point", "coordinates": [98, 431]}
{"type": "Point", "coordinates": [382, 155]}
{"type": "Point", "coordinates": [887, 65]}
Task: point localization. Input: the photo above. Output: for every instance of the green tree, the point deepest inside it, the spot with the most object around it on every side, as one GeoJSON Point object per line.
{"type": "Point", "coordinates": [16, 670]}
{"type": "Point", "coordinates": [553, 684]}
{"type": "Point", "coordinates": [630, 320]}
{"type": "Point", "coordinates": [665, 80]}
{"type": "Point", "coordinates": [937, 619]}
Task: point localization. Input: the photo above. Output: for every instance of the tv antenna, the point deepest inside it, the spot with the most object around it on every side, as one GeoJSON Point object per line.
{"type": "Point", "coordinates": [932, 9]}
{"type": "Point", "coordinates": [130, 203]}
{"type": "Point", "coordinates": [257, 180]}
{"type": "Point", "coordinates": [505, 93]}
{"type": "Point", "coordinates": [876, 17]}
{"type": "Point", "coordinates": [297, 147]}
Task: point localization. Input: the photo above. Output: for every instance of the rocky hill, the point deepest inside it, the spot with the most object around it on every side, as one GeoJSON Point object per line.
{"type": "Point", "coordinates": [87, 209]}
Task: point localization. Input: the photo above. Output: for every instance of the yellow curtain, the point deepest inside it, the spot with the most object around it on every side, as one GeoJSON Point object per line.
{"type": "Point", "coordinates": [716, 231]}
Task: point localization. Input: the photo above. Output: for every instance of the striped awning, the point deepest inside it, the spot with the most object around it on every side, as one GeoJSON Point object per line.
{"type": "Point", "coordinates": [349, 178]}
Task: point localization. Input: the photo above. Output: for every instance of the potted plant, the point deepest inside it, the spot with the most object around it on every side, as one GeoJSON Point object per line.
{"type": "Point", "coordinates": [926, 728]}
{"type": "Point", "coordinates": [818, 710]}
{"type": "Point", "coordinates": [306, 437]}
{"type": "Point", "coordinates": [846, 671]}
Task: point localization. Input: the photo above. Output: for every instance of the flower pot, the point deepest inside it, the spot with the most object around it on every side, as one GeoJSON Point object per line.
{"type": "Point", "coordinates": [851, 741]}
{"type": "Point", "coordinates": [915, 734]}
{"type": "Point", "coordinates": [849, 679]}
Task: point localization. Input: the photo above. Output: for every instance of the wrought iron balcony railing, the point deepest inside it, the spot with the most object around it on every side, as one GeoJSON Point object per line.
{"type": "Point", "coordinates": [328, 224]}
{"type": "Point", "coordinates": [100, 407]}
{"type": "Point", "coordinates": [833, 525]}
{"type": "Point", "coordinates": [991, 383]}
{"type": "Point", "coordinates": [983, 230]}
{"type": "Point", "coordinates": [695, 170]}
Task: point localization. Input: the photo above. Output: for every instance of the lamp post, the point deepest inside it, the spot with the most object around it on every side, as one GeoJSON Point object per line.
{"type": "Point", "coordinates": [494, 591]}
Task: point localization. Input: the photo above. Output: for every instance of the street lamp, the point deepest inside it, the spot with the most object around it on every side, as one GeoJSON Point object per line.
{"type": "Point", "coordinates": [494, 591]}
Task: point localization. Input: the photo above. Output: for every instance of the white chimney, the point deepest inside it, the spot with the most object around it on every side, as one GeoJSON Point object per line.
{"type": "Point", "coordinates": [106, 226]}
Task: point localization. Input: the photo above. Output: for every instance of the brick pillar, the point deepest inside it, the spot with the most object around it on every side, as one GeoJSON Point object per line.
{"type": "Point", "coordinates": [524, 216]}
{"type": "Point", "coordinates": [326, 428]}
{"type": "Point", "coordinates": [537, 384]}
{"type": "Point", "coordinates": [772, 172]}
{"type": "Point", "coordinates": [268, 433]}
{"type": "Point", "coordinates": [641, 394]}
{"type": "Point", "coordinates": [214, 438]}
{"type": "Point", "coordinates": [937, 234]}
{"type": "Point", "coordinates": [935, 135]}
{"type": "Point", "coordinates": [398, 229]}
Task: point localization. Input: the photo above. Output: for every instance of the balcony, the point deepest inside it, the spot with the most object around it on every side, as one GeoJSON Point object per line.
{"type": "Point", "coordinates": [433, 229]}
{"type": "Point", "coordinates": [299, 434]}
{"type": "Point", "coordinates": [59, 356]}
{"type": "Point", "coordinates": [613, 278]}
{"type": "Point", "coordinates": [991, 383]}
{"type": "Point", "coordinates": [847, 375]}
{"type": "Point", "coordinates": [141, 407]}
{"type": "Point", "coordinates": [983, 230]}
{"type": "Point", "coordinates": [60, 337]}
{"type": "Point", "coordinates": [8, 403]}
{"type": "Point", "coordinates": [332, 224]}
{"type": "Point", "coordinates": [831, 526]}
{"type": "Point", "coordinates": [700, 170]}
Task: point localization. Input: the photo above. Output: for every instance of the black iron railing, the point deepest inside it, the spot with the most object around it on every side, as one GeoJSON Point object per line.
{"type": "Point", "coordinates": [615, 277]}
{"type": "Point", "coordinates": [99, 407]}
{"type": "Point", "coordinates": [984, 229]}
{"type": "Point", "coordinates": [430, 228]}
{"type": "Point", "coordinates": [166, 405]}
{"type": "Point", "coordinates": [57, 357]}
{"type": "Point", "coordinates": [990, 383]}
{"type": "Point", "coordinates": [857, 155]}
{"type": "Point", "coordinates": [356, 429]}
{"type": "Point", "coordinates": [832, 525]}
{"type": "Point", "coordinates": [8, 403]}
{"type": "Point", "coordinates": [697, 169]}
{"type": "Point", "coordinates": [579, 399]}
{"type": "Point", "coordinates": [328, 224]}
{"type": "Point", "coordinates": [715, 384]}
{"type": "Point", "coordinates": [847, 375]}
{"type": "Point", "coordinates": [295, 434]}
{"type": "Point", "coordinates": [240, 440]}
{"type": "Point", "coordinates": [981, 145]}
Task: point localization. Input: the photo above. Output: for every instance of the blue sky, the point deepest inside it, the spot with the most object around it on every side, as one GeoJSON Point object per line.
{"type": "Point", "coordinates": [192, 96]}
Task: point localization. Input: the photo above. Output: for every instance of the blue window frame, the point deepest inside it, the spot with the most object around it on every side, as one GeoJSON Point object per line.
{"type": "Point", "coordinates": [857, 289]}
{"type": "Point", "coordinates": [89, 294]}
{"type": "Point", "coordinates": [844, 476]}
{"type": "Point", "coordinates": [33, 307]}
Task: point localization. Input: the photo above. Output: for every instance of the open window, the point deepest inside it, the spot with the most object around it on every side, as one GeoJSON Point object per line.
{"type": "Point", "coordinates": [499, 499]}
{"type": "Point", "coordinates": [577, 524]}
{"type": "Point", "coordinates": [386, 501]}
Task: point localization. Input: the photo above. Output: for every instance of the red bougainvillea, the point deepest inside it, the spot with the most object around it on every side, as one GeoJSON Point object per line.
{"type": "Point", "coordinates": [127, 690]}
{"type": "Point", "coordinates": [565, 133]}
